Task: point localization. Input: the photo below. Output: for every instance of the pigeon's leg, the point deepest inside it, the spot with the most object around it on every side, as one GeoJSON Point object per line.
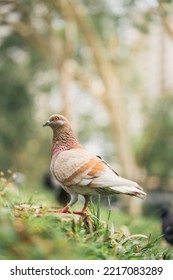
{"type": "Point", "coordinates": [87, 200]}
{"type": "Point", "coordinates": [83, 212]}
{"type": "Point", "coordinates": [73, 200]}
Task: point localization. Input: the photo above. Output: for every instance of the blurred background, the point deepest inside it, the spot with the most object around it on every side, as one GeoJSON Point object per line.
{"type": "Point", "coordinates": [106, 65]}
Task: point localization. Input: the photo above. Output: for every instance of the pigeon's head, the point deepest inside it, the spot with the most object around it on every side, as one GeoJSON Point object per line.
{"type": "Point", "coordinates": [56, 122]}
{"type": "Point", "coordinates": [63, 135]}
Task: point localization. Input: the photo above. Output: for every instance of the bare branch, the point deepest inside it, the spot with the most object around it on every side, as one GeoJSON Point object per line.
{"type": "Point", "coordinates": [168, 27]}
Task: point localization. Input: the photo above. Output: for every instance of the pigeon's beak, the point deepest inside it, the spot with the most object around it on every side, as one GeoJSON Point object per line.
{"type": "Point", "coordinates": [46, 123]}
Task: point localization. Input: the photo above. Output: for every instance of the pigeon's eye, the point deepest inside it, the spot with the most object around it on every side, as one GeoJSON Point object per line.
{"type": "Point", "coordinates": [55, 118]}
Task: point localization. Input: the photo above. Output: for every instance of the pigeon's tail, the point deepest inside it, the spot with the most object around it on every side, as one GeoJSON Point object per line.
{"type": "Point", "coordinates": [128, 187]}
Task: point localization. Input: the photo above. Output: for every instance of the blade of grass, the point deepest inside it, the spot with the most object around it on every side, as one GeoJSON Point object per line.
{"type": "Point", "coordinates": [98, 207]}
{"type": "Point", "coordinates": [109, 210]}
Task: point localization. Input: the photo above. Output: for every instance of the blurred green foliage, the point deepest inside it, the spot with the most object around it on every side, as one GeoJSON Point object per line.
{"type": "Point", "coordinates": [156, 145]}
{"type": "Point", "coordinates": [19, 134]}
{"type": "Point", "coordinates": [16, 105]}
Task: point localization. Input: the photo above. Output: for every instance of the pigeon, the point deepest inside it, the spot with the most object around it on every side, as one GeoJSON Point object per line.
{"type": "Point", "coordinates": [167, 224]}
{"type": "Point", "coordinates": [81, 172]}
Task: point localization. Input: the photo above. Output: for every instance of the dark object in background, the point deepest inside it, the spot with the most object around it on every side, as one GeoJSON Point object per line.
{"type": "Point", "coordinates": [167, 224]}
{"type": "Point", "coordinates": [51, 183]}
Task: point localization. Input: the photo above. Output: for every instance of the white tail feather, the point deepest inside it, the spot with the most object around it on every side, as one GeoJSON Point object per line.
{"type": "Point", "coordinates": [129, 190]}
{"type": "Point", "coordinates": [128, 187]}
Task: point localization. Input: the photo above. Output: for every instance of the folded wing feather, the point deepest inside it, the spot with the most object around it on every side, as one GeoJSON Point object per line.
{"type": "Point", "coordinates": [86, 171]}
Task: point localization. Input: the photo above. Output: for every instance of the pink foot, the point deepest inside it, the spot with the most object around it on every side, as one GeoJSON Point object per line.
{"type": "Point", "coordinates": [63, 210]}
{"type": "Point", "coordinates": [82, 213]}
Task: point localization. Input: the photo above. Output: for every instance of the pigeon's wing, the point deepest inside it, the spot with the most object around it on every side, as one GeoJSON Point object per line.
{"type": "Point", "coordinates": [72, 166]}
{"type": "Point", "coordinates": [90, 174]}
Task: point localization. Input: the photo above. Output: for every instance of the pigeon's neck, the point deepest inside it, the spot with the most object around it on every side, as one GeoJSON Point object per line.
{"type": "Point", "coordinates": [63, 141]}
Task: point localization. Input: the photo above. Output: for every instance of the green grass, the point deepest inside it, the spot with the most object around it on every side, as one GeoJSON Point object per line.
{"type": "Point", "coordinates": [29, 231]}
